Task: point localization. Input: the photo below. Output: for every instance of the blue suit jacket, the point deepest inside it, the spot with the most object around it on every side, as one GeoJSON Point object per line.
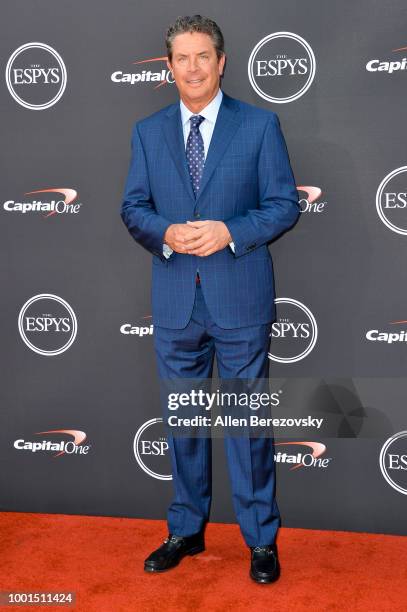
{"type": "Point", "coordinates": [247, 183]}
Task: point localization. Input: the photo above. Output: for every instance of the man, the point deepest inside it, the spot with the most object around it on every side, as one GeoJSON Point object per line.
{"type": "Point", "coordinates": [209, 185]}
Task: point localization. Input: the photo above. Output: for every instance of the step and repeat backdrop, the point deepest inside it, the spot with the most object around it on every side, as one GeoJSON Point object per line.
{"type": "Point", "coordinates": [80, 424]}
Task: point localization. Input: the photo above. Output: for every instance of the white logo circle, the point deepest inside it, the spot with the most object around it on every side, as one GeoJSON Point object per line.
{"type": "Point", "coordinates": [141, 463]}
{"type": "Point", "coordinates": [47, 296]}
{"type": "Point", "coordinates": [385, 448]}
{"type": "Point", "coordinates": [55, 54]}
{"type": "Point", "coordinates": [314, 334]}
{"type": "Point", "coordinates": [379, 194]}
{"type": "Point", "coordinates": [305, 86]}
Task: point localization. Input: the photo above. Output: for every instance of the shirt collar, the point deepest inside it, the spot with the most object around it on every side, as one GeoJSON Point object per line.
{"type": "Point", "coordinates": [210, 112]}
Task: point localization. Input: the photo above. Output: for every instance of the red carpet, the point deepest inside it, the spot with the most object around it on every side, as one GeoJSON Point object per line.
{"type": "Point", "coordinates": [101, 559]}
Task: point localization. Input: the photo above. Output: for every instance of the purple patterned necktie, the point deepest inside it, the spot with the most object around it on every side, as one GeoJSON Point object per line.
{"type": "Point", "coordinates": [195, 152]}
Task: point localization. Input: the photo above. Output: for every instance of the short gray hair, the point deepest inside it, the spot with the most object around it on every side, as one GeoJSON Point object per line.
{"type": "Point", "coordinates": [196, 23]}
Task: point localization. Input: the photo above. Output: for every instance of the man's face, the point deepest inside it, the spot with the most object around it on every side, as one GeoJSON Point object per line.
{"type": "Point", "coordinates": [195, 67]}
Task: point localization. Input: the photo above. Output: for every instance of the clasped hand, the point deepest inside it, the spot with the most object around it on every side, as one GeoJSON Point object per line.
{"type": "Point", "coordinates": [197, 237]}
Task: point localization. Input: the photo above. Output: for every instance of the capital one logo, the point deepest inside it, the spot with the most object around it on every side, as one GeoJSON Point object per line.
{"type": "Point", "coordinates": [294, 333]}
{"type": "Point", "coordinates": [311, 202]}
{"type": "Point", "coordinates": [150, 448]}
{"type": "Point", "coordinates": [391, 200]}
{"type": "Point", "coordinates": [393, 462]}
{"type": "Point", "coordinates": [389, 337]}
{"type": "Point", "coordinates": [301, 459]}
{"type": "Point", "coordinates": [389, 66]}
{"type": "Point", "coordinates": [36, 76]}
{"type": "Point", "coordinates": [47, 324]}
{"type": "Point", "coordinates": [129, 329]}
{"type": "Point", "coordinates": [281, 67]}
{"type": "Point", "coordinates": [70, 447]}
{"type": "Point", "coordinates": [50, 207]}
{"type": "Point", "coordinates": [159, 74]}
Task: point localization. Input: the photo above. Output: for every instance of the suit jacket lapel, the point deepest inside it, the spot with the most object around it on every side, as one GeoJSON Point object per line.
{"type": "Point", "coordinates": [174, 137]}
{"type": "Point", "coordinates": [227, 122]}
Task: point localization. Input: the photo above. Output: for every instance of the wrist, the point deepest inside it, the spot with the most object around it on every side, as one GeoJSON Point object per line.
{"type": "Point", "coordinates": [166, 233]}
{"type": "Point", "coordinates": [228, 234]}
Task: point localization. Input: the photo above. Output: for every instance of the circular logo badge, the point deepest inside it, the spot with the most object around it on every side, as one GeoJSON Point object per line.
{"type": "Point", "coordinates": [47, 324]}
{"type": "Point", "coordinates": [36, 76]}
{"type": "Point", "coordinates": [391, 200]}
{"type": "Point", "coordinates": [294, 333]}
{"type": "Point", "coordinates": [150, 449]}
{"type": "Point", "coordinates": [281, 67]}
{"type": "Point", "coordinates": [393, 462]}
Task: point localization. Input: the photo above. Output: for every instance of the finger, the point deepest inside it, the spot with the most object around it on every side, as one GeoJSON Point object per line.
{"type": "Point", "coordinates": [189, 231]}
{"type": "Point", "coordinates": [204, 240]}
{"type": "Point", "coordinates": [205, 247]}
{"type": "Point", "coordinates": [199, 245]}
{"type": "Point", "coordinates": [193, 232]}
{"type": "Point", "coordinates": [185, 237]}
{"type": "Point", "coordinates": [181, 247]}
{"type": "Point", "coordinates": [204, 253]}
{"type": "Point", "coordinates": [192, 240]}
{"type": "Point", "coordinates": [198, 223]}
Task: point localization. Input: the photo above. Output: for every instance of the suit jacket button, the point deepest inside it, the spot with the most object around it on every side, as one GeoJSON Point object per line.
{"type": "Point", "coordinates": [197, 215]}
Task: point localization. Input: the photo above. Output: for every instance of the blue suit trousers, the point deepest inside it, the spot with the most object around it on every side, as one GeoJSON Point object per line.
{"type": "Point", "coordinates": [241, 353]}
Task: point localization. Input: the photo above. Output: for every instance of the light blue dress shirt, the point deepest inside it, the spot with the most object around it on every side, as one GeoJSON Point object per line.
{"type": "Point", "coordinates": [210, 112]}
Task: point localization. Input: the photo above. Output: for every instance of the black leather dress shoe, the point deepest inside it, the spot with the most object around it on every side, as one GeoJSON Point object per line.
{"type": "Point", "coordinates": [173, 550]}
{"type": "Point", "coordinates": [264, 567]}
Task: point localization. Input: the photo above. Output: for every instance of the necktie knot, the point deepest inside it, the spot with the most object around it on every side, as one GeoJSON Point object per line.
{"type": "Point", "coordinates": [196, 121]}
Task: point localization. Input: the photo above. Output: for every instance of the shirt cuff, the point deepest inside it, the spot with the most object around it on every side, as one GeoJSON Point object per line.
{"type": "Point", "coordinates": [167, 251]}
{"type": "Point", "coordinates": [232, 246]}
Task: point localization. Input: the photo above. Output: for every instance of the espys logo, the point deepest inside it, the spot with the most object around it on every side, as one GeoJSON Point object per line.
{"type": "Point", "coordinates": [66, 205]}
{"type": "Point", "coordinates": [298, 460]}
{"type": "Point", "coordinates": [391, 66]}
{"type": "Point", "coordinates": [137, 330]}
{"type": "Point", "coordinates": [162, 77]}
{"type": "Point", "coordinates": [150, 449]}
{"type": "Point", "coordinates": [47, 324]}
{"type": "Point", "coordinates": [391, 200]}
{"type": "Point", "coordinates": [70, 447]}
{"type": "Point", "coordinates": [281, 67]}
{"type": "Point", "coordinates": [375, 335]}
{"type": "Point", "coordinates": [393, 462]}
{"type": "Point", "coordinates": [310, 203]}
{"type": "Point", "coordinates": [294, 333]}
{"type": "Point", "coordinates": [36, 76]}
